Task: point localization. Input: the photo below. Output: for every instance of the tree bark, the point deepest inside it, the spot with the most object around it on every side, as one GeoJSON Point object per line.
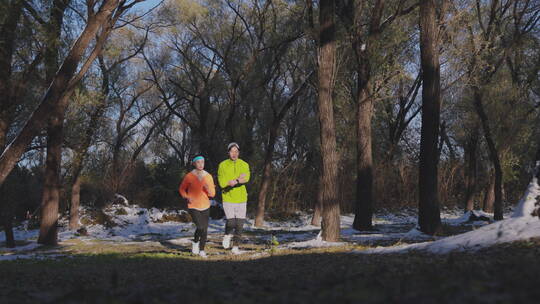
{"type": "Point", "coordinates": [364, 170]}
{"type": "Point", "coordinates": [470, 174]}
{"type": "Point", "coordinates": [493, 154]}
{"type": "Point", "coordinates": [428, 207]}
{"type": "Point", "coordinates": [59, 86]}
{"type": "Point", "coordinates": [489, 195]}
{"type": "Point", "coordinates": [75, 203]}
{"type": "Point", "coordinates": [330, 159]}
{"type": "Point", "coordinates": [55, 132]}
{"type": "Point", "coordinates": [7, 45]}
{"type": "Point", "coordinates": [51, 185]}
{"type": "Point", "coordinates": [8, 31]}
{"type": "Point", "coordinates": [317, 218]}
{"type": "Point", "coordinates": [8, 226]}
{"type": "Point", "coordinates": [267, 176]}
{"type": "Point", "coordinates": [82, 149]}
{"type": "Point", "coordinates": [78, 164]}
{"type": "Point", "coordinates": [272, 138]}
{"type": "Point", "coordinates": [364, 113]}
{"type": "Point", "coordinates": [317, 213]}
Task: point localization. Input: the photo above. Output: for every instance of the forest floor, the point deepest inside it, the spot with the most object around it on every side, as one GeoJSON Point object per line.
{"type": "Point", "coordinates": [152, 272]}
{"type": "Point", "coordinates": [282, 263]}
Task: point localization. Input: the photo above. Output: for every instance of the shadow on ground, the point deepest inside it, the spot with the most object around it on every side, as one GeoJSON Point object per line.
{"type": "Point", "coordinates": [501, 274]}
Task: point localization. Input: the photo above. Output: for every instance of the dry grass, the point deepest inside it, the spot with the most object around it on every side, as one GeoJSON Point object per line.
{"type": "Point", "coordinates": [154, 272]}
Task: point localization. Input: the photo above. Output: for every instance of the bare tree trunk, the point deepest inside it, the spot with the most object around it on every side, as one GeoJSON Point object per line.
{"type": "Point", "coordinates": [51, 185]}
{"type": "Point", "coordinates": [364, 112]}
{"type": "Point", "coordinates": [330, 159]}
{"type": "Point", "coordinates": [75, 203]}
{"type": "Point", "coordinates": [78, 164]}
{"type": "Point", "coordinates": [81, 151]}
{"type": "Point", "coordinates": [272, 138]}
{"type": "Point", "coordinates": [470, 174]}
{"type": "Point", "coordinates": [364, 181]}
{"type": "Point", "coordinates": [493, 154]}
{"type": "Point", "coordinates": [7, 43]}
{"type": "Point", "coordinates": [55, 132]}
{"type": "Point", "coordinates": [6, 218]}
{"type": "Point", "coordinates": [317, 213]}
{"type": "Point", "coordinates": [76, 189]}
{"type": "Point", "coordinates": [428, 209]}
{"type": "Point", "coordinates": [8, 226]}
{"type": "Point", "coordinates": [60, 84]}
{"type": "Point", "coordinates": [266, 178]}
{"type": "Point", "coordinates": [316, 220]}
{"type": "Point", "coordinates": [4, 128]}
{"type": "Point", "coordinates": [5, 215]}
{"type": "Point", "coordinates": [489, 195]}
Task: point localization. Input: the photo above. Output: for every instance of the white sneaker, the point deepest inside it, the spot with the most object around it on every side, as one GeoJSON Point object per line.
{"type": "Point", "coordinates": [227, 241]}
{"type": "Point", "coordinates": [195, 248]}
{"type": "Point", "coordinates": [202, 254]}
{"type": "Point", "coordinates": [235, 250]}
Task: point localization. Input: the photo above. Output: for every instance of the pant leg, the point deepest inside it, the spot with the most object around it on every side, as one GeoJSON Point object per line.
{"type": "Point", "coordinates": [236, 215]}
{"type": "Point", "coordinates": [195, 218]}
{"type": "Point", "coordinates": [240, 211]}
{"type": "Point", "coordinates": [240, 215]}
{"type": "Point", "coordinates": [238, 229]}
{"type": "Point", "coordinates": [203, 227]}
{"type": "Point", "coordinates": [200, 218]}
{"type": "Point", "coordinates": [230, 225]}
{"type": "Point", "coordinates": [230, 222]}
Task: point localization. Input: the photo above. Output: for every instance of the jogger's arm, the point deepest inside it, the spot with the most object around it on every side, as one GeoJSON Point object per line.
{"type": "Point", "coordinates": [222, 179]}
{"type": "Point", "coordinates": [210, 187]}
{"type": "Point", "coordinates": [183, 189]}
{"type": "Point", "coordinates": [245, 176]}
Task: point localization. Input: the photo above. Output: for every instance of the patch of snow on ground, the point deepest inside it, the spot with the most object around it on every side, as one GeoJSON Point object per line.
{"type": "Point", "coordinates": [522, 226]}
{"type": "Point", "coordinates": [510, 230]}
{"type": "Point", "coordinates": [314, 243]}
{"type": "Point", "coordinates": [30, 246]}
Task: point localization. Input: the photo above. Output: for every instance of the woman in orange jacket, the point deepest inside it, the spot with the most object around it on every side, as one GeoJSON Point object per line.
{"type": "Point", "coordinates": [197, 187]}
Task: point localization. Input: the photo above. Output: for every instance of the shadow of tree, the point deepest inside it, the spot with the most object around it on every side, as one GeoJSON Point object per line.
{"type": "Point", "coordinates": [505, 273]}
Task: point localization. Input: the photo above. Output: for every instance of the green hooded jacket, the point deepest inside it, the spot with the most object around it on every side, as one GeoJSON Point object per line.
{"type": "Point", "coordinates": [229, 170]}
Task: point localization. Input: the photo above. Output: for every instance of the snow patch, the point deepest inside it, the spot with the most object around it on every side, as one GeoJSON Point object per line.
{"type": "Point", "coordinates": [475, 217]}
{"type": "Point", "coordinates": [509, 230]}
{"type": "Point", "coordinates": [526, 205]}
{"type": "Point", "coordinates": [315, 243]}
{"type": "Point", "coordinates": [31, 246]}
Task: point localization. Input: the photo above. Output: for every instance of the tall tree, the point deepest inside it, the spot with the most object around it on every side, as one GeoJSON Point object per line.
{"type": "Point", "coordinates": [364, 113]}
{"type": "Point", "coordinates": [8, 31]}
{"type": "Point", "coordinates": [99, 22]}
{"type": "Point", "coordinates": [429, 218]}
{"type": "Point", "coordinates": [501, 27]}
{"type": "Point", "coordinates": [55, 137]}
{"type": "Point", "coordinates": [364, 36]}
{"type": "Point", "coordinates": [7, 47]}
{"type": "Point", "coordinates": [316, 220]}
{"type": "Point", "coordinates": [81, 149]}
{"type": "Point", "coordinates": [277, 117]}
{"type": "Point", "coordinates": [95, 115]}
{"type": "Point", "coordinates": [330, 157]}
{"type": "Point", "coordinates": [471, 148]}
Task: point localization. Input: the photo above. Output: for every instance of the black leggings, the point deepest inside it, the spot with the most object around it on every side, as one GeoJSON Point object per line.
{"type": "Point", "coordinates": [200, 218]}
{"type": "Point", "coordinates": [236, 225]}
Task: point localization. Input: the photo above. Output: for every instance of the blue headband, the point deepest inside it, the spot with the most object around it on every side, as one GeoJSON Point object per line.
{"type": "Point", "coordinates": [197, 158]}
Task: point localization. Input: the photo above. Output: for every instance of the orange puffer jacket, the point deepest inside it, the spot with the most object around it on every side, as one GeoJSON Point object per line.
{"type": "Point", "coordinates": [192, 188]}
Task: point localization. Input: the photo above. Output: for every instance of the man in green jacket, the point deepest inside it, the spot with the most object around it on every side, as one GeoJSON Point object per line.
{"type": "Point", "coordinates": [233, 174]}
